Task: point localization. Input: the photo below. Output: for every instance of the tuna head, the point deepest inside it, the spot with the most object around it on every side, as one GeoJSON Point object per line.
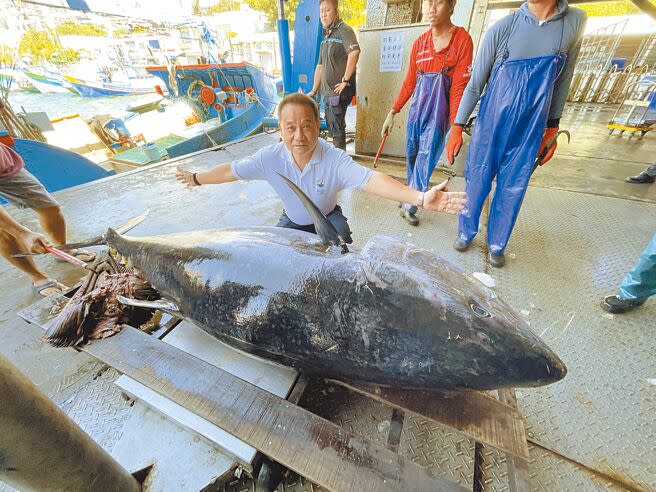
{"type": "Point", "coordinates": [463, 332]}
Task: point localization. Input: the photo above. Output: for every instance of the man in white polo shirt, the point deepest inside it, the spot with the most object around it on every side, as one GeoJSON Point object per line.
{"type": "Point", "coordinates": [319, 169]}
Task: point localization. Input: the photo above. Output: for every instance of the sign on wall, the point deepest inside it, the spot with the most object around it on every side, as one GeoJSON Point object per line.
{"type": "Point", "coordinates": [391, 51]}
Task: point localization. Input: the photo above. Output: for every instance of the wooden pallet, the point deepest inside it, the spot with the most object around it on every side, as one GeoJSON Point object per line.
{"type": "Point", "coordinates": [311, 446]}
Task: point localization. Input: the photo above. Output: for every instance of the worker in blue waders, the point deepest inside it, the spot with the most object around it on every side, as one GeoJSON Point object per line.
{"type": "Point", "coordinates": [638, 285]}
{"type": "Point", "coordinates": [437, 75]}
{"type": "Point", "coordinates": [525, 63]}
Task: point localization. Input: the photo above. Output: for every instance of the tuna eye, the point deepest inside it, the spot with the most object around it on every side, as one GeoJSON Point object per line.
{"type": "Point", "coordinates": [479, 311]}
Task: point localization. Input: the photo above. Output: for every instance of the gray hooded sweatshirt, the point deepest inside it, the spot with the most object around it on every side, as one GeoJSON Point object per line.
{"type": "Point", "coordinates": [530, 38]}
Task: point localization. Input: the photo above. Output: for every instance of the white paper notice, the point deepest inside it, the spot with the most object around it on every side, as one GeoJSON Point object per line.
{"type": "Point", "coordinates": [391, 51]}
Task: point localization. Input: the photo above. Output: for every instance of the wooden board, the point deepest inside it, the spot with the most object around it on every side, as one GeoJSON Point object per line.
{"type": "Point", "coordinates": [189, 338]}
{"type": "Point", "coordinates": [238, 450]}
{"type": "Point", "coordinates": [518, 471]}
{"type": "Point", "coordinates": [477, 415]}
{"type": "Point", "coordinates": [313, 447]}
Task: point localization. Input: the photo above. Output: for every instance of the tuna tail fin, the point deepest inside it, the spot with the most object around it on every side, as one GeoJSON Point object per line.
{"type": "Point", "coordinates": [73, 323]}
{"type": "Point", "coordinates": [325, 230]}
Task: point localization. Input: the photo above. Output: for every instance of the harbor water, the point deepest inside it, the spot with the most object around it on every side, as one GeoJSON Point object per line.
{"type": "Point", "coordinates": [59, 105]}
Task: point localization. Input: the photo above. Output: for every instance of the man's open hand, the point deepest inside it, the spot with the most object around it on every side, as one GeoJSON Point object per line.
{"type": "Point", "coordinates": [185, 177]}
{"type": "Point", "coordinates": [440, 200]}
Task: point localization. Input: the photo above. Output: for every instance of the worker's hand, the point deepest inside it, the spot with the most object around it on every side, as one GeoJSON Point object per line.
{"type": "Point", "coordinates": [454, 143]}
{"type": "Point", "coordinates": [340, 87]}
{"type": "Point", "coordinates": [440, 200]}
{"type": "Point", "coordinates": [35, 243]}
{"type": "Point", "coordinates": [185, 177]}
{"type": "Point", "coordinates": [387, 126]}
{"type": "Point", "coordinates": [548, 135]}
{"type": "Point", "coordinates": [311, 94]}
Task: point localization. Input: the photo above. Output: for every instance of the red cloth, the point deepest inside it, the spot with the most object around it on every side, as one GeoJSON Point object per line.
{"type": "Point", "coordinates": [10, 161]}
{"type": "Point", "coordinates": [424, 58]}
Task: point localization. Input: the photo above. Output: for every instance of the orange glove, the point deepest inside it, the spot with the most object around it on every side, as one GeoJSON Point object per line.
{"type": "Point", "coordinates": [548, 135]}
{"type": "Point", "coordinates": [454, 143]}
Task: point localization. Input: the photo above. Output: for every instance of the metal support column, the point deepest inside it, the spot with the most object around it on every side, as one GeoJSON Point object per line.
{"type": "Point", "coordinates": [41, 448]}
{"type": "Point", "coordinates": [285, 50]}
{"type": "Point", "coordinates": [477, 23]}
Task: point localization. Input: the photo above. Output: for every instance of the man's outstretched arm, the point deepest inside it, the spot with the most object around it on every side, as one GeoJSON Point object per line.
{"type": "Point", "coordinates": [34, 242]}
{"type": "Point", "coordinates": [217, 175]}
{"type": "Point", "coordinates": [436, 198]}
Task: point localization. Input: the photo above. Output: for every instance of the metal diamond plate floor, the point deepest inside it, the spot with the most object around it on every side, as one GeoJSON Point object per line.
{"type": "Point", "coordinates": [595, 430]}
{"type": "Point", "coordinates": [568, 250]}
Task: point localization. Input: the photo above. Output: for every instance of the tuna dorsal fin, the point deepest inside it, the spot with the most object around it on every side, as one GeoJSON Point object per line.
{"type": "Point", "coordinates": [325, 230]}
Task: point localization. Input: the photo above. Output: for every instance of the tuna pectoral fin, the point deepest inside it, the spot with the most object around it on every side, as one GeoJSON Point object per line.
{"type": "Point", "coordinates": [161, 304]}
{"type": "Point", "coordinates": [325, 230]}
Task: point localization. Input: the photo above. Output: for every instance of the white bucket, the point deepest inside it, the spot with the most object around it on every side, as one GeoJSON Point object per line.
{"type": "Point", "coordinates": [151, 151]}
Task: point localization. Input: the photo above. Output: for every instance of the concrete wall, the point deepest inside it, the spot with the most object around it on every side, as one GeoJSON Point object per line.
{"type": "Point", "coordinates": [377, 90]}
{"type": "Point", "coordinates": [380, 13]}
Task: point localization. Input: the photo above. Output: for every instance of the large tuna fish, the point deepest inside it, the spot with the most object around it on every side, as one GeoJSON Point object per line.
{"type": "Point", "coordinates": [391, 314]}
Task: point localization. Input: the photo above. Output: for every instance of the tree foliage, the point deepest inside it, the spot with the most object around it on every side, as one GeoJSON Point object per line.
{"type": "Point", "coordinates": [270, 8]}
{"type": "Point", "coordinates": [64, 56]}
{"type": "Point", "coordinates": [40, 45]}
{"type": "Point", "coordinates": [351, 11]}
{"type": "Point", "coordinates": [7, 56]}
{"type": "Point", "coordinates": [222, 6]}
{"type": "Point", "coordinates": [43, 46]}
{"type": "Point", "coordinates": [130, 30]}
{"type": "Point", "coordinates": [74, 29]}
{"type": "Point", "coordinates": [604, 9]}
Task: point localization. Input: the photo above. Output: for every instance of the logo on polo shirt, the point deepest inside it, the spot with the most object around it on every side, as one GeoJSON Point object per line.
{"type": "Point", "coordinates": [321, 185]}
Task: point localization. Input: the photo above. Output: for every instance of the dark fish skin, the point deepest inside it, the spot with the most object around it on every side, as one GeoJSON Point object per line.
{"type": "Point", "coordinates": [392, 314]}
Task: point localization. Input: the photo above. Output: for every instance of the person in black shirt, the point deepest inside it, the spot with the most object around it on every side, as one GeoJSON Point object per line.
{"type": "Point", "coordinates": [334, 76]}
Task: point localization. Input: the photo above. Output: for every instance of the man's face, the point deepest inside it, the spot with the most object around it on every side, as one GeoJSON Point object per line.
{"type": "Point", "coordinates": [327, 14]}
{"type": "Point", "coordinates": [299, 128]}
{"type": "Point", "coordinates": [436, 12]}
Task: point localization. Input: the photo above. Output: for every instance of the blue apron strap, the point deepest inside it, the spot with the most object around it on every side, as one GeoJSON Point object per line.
{"type": "Point", "coordinates": [505, 53]}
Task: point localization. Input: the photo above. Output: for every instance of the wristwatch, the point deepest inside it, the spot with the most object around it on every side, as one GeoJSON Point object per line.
{"type": "Point", "coordinates": [420, 200]}
{"type": "Point", "coordinates": [345, 81]}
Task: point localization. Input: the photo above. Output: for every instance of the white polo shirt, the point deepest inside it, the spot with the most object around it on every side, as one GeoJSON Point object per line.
{"type": "Point", "coordinates": [330, 170]}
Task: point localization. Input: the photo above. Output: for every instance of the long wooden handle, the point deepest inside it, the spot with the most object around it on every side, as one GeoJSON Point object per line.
{"type": "Point", "coordinates": [66, 257]}
{"type": "Point", "coordinates": [380, 149]}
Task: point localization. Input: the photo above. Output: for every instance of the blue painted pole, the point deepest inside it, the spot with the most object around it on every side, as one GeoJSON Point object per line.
{"type": "Point", "coordinates": [285, 50]}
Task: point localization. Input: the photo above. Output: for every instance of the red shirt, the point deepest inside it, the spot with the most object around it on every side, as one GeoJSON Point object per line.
{"type": "Point", "coordinates": [10, 161]}
{"type": "Point", "coordinates": [457, 56]}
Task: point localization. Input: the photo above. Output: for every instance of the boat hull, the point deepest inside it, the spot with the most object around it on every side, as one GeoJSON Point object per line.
{"type": "Point", "coordinates": [93, 89]}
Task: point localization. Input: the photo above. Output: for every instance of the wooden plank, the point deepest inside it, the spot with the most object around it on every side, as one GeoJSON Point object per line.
{"type": "Point", "coordinates": [518, 471]}
{"type": "Point", "coordinates": [313, 447]}
{"type": "Point", "coordinates": [477, 415]}
{"type": "Point", "coordinates": [396, 429]}
{"type": "Point", "coordinates": [268, 375]}
{"type": "Point", "coordinates": [180, 415]}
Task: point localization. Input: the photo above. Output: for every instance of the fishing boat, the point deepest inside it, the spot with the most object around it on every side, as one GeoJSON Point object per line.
{"type": "Point", "coordinates": [48, 83]}
{"type": "Point", "coordinates": [86, 88]}
{"type": "Point", "coordinates": [232, 100]}
{"type": "Point", "coordinates": [54, 167]}
{"type": "Point", "coordinates": [16, 81]}
{"type": "Point", "coordinates": [208, 105]}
